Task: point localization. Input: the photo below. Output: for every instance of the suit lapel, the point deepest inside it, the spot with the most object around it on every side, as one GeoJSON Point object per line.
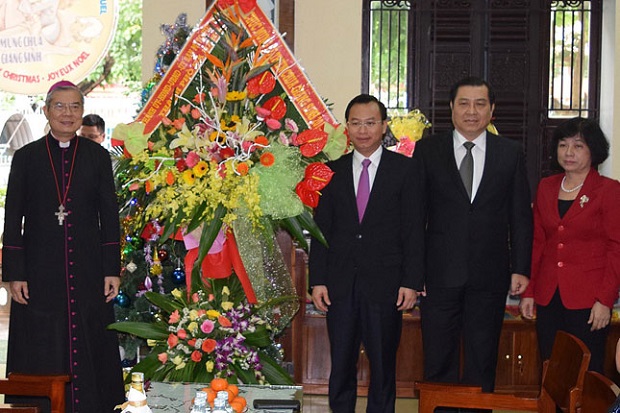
{"type": "Point", "coordinates": [491, 157]}
{"type": "Point", "coordinates": [447, 153]}
{"type": "Point", "coordinates": [587, 194]}
{"type": "Point", "coordinates": [348, 185]}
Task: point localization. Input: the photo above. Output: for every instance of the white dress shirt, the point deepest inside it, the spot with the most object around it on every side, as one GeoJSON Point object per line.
{"type": "Point", "coordinates": [478, 152]}
{"type": "Point", "coordinates": [375, 158]}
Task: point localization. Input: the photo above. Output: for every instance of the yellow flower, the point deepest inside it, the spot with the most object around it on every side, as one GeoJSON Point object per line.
{"type": "Point", "coordinates": [227, 305]}
{"type": "Point", "coordinates": [193, 315]}
{"type": "Point", "coordinates": [200, 169]}
{"type": "Point", "coordinates": [193, 326]}
{"type": "Point", "coordinates": [411, 125]}
{"type": "Point", "coordinates": [176, 293]}
{"type": "Point", "coordinates": [213, 314]}
{"type": "Point", "coordinates": [217, 136]}
{"type": "Point", "coordinates": [178, 361]}
{"type": "Point", "coordinates": [235, 96]}
{"type": "Point", "coordinates": [189, 177]}
{"type": "Point", "coordinates": [151, 343]}
{"type": "Point", "coordinates": [209, 364]}
{"type": "Point", "coordinates": [225, 290]}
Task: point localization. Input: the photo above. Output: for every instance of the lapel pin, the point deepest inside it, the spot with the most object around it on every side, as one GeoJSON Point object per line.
{"type": "Point", "coordinates": [583, 200]}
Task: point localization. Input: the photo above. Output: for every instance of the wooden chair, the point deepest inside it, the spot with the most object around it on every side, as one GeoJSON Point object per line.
{"type": "Point", "coordinates": [19, 408]}
{"type": "Point", "coordinates": [599, 393]}
{"type": "Point", "coordinates": [563, 377]}
{"type": "Point", "coordinates": [52, 387]}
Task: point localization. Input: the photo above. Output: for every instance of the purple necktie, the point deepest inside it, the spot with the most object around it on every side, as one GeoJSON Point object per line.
{"type": "Point", "coordinates": [363, 189]}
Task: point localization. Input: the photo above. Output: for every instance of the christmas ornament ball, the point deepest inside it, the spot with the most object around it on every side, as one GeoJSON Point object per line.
{"type": "Point", "coordinates": [122, 300]}
{"type": "Point", "coordinates": [163, 254]}
{"type": "Point", "coordinates": [178, 276]}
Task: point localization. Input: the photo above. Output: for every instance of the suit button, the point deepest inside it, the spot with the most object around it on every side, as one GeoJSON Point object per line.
{"type": "Point", "coordinates": [358, 236]}
{"type": "Point", "coordinates": [560, 264]}
{"type": "Point", "coordinates": [561, 228]}
{"type": "Point", "coordinates": [560, 246]}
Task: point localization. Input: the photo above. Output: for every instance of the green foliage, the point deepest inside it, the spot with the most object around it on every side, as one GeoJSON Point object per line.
{"type": "Point", "coordinates": [126, 49]}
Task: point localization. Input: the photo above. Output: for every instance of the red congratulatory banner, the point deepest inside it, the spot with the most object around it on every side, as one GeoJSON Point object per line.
{"type": "Point", "coordinates": [201, 42]}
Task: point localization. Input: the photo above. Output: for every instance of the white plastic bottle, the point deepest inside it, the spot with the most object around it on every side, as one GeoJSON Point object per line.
{"type": "Point", "coordinates": [200, 403]}
{"type": "Point", "coordinates": [220, 404]}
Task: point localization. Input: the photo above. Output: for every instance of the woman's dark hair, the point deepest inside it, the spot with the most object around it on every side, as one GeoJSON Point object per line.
{"type": "Point", "coordinates": [363, 99]}
{"type": "Point", "coordinates": [591, 133]}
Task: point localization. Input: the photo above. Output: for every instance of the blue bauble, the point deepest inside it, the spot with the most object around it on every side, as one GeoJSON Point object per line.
{"type": "Point", "coordinates": [122, 300]}
{"type": "Point", "coordinates": [178, 276]}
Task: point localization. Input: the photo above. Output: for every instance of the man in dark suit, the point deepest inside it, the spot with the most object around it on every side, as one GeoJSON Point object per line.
{"type": "Point", "coordinates": [478, 238]}
{"type": "Point", "coordinates": [367, 276]}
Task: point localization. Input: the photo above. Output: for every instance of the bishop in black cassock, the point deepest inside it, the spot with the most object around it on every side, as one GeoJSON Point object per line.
{"type": "Point", "coordinates": [63, 263]}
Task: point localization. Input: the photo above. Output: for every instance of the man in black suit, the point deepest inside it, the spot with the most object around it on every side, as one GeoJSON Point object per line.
{"type": "Point", "coordinates": [478, 238]}
{"type": "Point", "coordinates": [367, 275]}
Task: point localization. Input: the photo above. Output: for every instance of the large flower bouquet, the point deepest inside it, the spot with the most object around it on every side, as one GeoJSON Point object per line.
{"type": "Point", "coordinates": [232, 146]}
{"type": "Point", "coordinates": [232, 163]}
{"type": "Point", "coordinates": [212, 333]}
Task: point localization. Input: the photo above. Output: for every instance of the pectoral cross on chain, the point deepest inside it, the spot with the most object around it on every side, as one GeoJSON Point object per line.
{"type": "Point", "coordinates": [61, 214]}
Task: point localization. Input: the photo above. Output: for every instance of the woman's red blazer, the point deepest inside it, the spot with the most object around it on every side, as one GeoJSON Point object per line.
{"type": "Point", "coordinates": [579, 253]}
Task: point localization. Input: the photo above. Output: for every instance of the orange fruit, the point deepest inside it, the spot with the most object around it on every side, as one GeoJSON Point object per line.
{"type": "Point", "coordinates": [218, 384]}
{"type": "Point", "coordinates": [239, 400]}
{"type": "Point", "coordinates": [237, 406]}
{"type": "Point", "coordinates": [231, 395]}
{"type": "Point", "coordinates": [210, 395]}
{"type": "Point", "coordinates": [234, 389]}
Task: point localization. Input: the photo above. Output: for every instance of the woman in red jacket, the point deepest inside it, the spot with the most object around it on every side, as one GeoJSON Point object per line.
{"type": "Point", "coordinates": [576, 252]}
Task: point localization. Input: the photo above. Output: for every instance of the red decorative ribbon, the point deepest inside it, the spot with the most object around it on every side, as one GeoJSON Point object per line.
{"type": "Point", "coordinates": [221, 265]}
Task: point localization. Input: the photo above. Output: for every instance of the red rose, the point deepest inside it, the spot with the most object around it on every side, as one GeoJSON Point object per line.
{"type": "Point", "coordinates": [208, 345]}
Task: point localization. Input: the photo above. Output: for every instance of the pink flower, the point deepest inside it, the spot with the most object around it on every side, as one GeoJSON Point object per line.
{"type": "Point", "coordinates": [178, 123]}
{"type": "Point", "coordinates": [273, 124]}
{"type": "Point", "coordinates": [166, 122]}
{"type": "Point", "coordinates": [182, 334]}
{"type": "Point", "coordinates": [192, 159]}
{"type": "Point", "coordinates": [195, 113]}
{"type": "Point", "coordinates": [262, 113]}
{"type": "Point", "coordinates": [207, 326]}
{"type": "Point", "coordinates": [134, 186]}
{"type": "Point", "coordinates": [185, 109]}
{"type": "Point", "coordinates": [196, 356]}
{"type": "Point", "coordinates": [172, 340]}
{"type": "Point", "coordinates": [174, 317]}
{"type": "Point", "coordinates": [162, 357]}
{"type": "Point", "coordinates": [290, 124]}
{"type": "Point", "coordinates": [284, 140]}
{"type": "Point", "coordinates": [195, 297]}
